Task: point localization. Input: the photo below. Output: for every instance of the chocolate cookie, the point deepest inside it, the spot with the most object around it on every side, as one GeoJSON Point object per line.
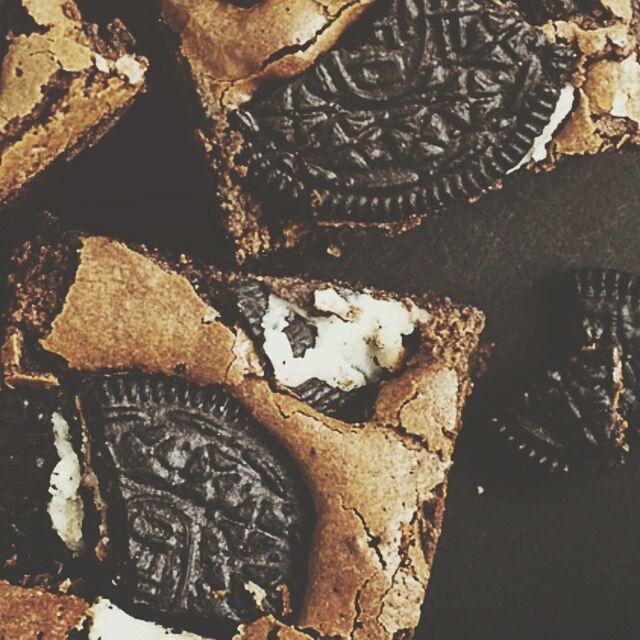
{"type": "Point", "coordinates": [393, 112]}
{"type": "Point", "coordinates": [62, 86]}
{"type": "Point", "coordinates": [570, 419]}
{"type": "Point", "coordinates": [206, 525]}
{"type": "Point", "coordinates": [28, 458]}
{"type": "Point", "coordinates": [254, 344]}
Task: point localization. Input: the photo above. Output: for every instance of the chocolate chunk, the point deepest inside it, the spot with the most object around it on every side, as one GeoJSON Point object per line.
{"type": "Point", "coordinates": [28, 456]}
{"type": "Point", "coordinates": [569, 419]}
{"type": "Point", "coordinates": [419, 103]}
{"type": "Point", "coordinates": [201, 503]}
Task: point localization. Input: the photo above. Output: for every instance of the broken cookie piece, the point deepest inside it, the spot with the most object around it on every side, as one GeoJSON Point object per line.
{"type": "Point", "coordinates": [203, 379]}
{"type": "Point", "coordinates": [41, 512]}
{"type": "Point", "coordinates": [571, 419]}
{"type": "Point", "coordinates": [63, 85]}
{"type": "Point", "coordinates": [357, 115]}
{"type": "Point", "coordinates": [203, 518]}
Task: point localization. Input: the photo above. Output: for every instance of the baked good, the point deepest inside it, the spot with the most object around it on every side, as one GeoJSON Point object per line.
{"type": "Point", "coordinates": [363, 114]}
{"type": "Point", "coordinates": [346, 403]}
{"type": "Point", "coordinates": [63, 85]}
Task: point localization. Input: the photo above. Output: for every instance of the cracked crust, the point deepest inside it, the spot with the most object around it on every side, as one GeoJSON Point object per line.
{"type": "Point", "coordinates": [62, 86]}
{"type": "Point", "coordinates": [226, 53]}
{"type": "Point", "coordinates": [378, 486]}
{"type": "Point", "coordinates": [33, 613]}
{"type": "Point", "coordinates": [230, 51]}
{"type": "Point", "coordinates": [606, 114]}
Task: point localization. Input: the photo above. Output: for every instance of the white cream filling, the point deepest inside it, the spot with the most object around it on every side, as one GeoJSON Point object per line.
{"type": "Point", "coordinates": [129, 67]}
{"type": "Point", "coordinates": [359, 338]}
{"type": "Point", "coordinates": [538, 151]}
{"type": "Point", "coordinates": [108, 622]}
{"type": "Point", "coordinates": [65, 508]}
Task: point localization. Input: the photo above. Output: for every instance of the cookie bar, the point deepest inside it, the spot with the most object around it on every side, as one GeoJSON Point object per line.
{"type": "Point", "coordinates": [364, 113]}
{"type": "Point", "coordinates": [63, 85]}
{"type": "Point", "coordinates": [232, 424]}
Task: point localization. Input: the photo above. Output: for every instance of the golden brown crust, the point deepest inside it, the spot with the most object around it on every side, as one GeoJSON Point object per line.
{"type": "Point", "coordinates": [60, 89]}
{"type": "Point", "coordinates": [230, 50]}
{"type": "Point", "coordinates": [32, 613]}
{"type": "Point", "coordinates": [378, 487]}
{"type": "Point", "coordinates": [607, 113]}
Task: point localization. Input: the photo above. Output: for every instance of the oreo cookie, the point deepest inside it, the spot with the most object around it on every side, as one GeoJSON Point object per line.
{"type": "Point", "coordinates": [607, 314]}
{"type": "Point", "coordinates": [28, 457]}
{"type": "Point", "coordinates": [569, 419]}
{"type": "Point", "coordinates": [207, 522]}
{"type": "Point", "coordinates": [421, 102]}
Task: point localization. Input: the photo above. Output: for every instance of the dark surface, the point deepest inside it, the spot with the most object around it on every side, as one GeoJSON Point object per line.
{"type": "Point", "coordinates": [200, 500]}
{"type": "Point", "coordinates": [528, 559]}
{"type": "Point", "coordinates": [420, 103]}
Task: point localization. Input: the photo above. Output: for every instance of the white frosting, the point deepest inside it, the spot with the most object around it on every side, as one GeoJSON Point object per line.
{"type": "Point", "coordinates": [128, 66]}
{"type": "Point", "coordinates": [359, 339]}
{"type": "Point", "coordinates": [65, 508]}
{"type": "Point", "coordinates": [110, 623]}
{"type": "Point", "coordinates": [538, 151]}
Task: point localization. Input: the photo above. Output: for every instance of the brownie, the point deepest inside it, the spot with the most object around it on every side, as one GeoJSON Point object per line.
{"type": "Point", "coordinates": [63, 85]}
{"type": "Point", "coordinates": [231, 423]}
{"type": "Point", "coordinates": [364, 114]}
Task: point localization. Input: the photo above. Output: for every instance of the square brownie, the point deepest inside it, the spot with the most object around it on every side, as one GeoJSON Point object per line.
{"type": "Point", "coordinates": [242, 436]}
{"type": "Point", "coordinates": [63, 84]}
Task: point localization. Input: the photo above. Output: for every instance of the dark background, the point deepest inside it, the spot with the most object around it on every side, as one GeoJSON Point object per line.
{"type": "Point", "coordinates": [531, 557]}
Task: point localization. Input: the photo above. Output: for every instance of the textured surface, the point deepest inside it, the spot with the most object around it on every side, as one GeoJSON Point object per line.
{"type": "Point", "coordinates": [28, 544]}
{"type": "Point", "coordinates": [61, 87]}
{"type": "Point", "coordinates": [200, 502]}
{"type": "Point", "coordinates": [31, 613]}
{"type": "Point", "coordinates": [422, 102]}
{"type": "Point", "coordinates": [608, 316]}
{"type": "Point", "coordinates": [569, 419]}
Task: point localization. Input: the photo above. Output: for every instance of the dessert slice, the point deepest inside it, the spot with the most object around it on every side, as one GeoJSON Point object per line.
{"type": "Point", "coordinates": [63, 85]}
{"type": "Point", "coordinates": [234, 424]}
{"type": "Point", "coordinates": [361, 113]}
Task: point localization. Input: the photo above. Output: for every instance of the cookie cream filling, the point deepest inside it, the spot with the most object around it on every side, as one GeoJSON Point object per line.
{"type": "Point", "coordinates": [65, 508]}
{"type": "Point", "coordinates": [538, 151]}
{"type": "Point", "coordinates": [108, 622]}
{"type": "Point", "coordinates": [358, 338]}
